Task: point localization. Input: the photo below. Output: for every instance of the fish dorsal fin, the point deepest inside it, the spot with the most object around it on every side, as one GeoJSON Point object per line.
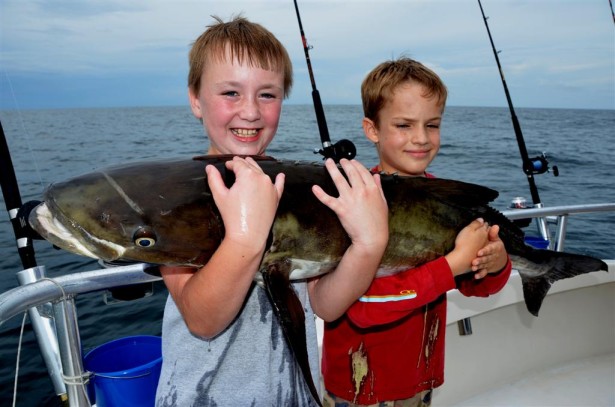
{"type": "Point", "coordinates": [219, 161]}
{"type": "Point", "coordinates": [473, 197]}
{"type": "Point", "coordinates": [449, 191]}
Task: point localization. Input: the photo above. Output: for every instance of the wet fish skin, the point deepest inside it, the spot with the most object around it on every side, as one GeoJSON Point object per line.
{"type": "Point", "coordinates": [163, 212]}
{"type": "Point", "coordinates": [170, 203]}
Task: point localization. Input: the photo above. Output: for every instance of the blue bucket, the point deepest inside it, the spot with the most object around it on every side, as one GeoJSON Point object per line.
{"type": "Point", "coordinates": [537, 242]}
{"type": "Point", "coordinates": [125, 371]}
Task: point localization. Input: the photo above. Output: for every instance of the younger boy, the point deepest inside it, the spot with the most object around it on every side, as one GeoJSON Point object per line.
{"type": "Point", "coordinates": [222, 344]}
{"type": "Point", "coordinates": [392, 353]}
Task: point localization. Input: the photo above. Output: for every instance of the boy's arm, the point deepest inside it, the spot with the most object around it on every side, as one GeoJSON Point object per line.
{"type": "Point", "coordinates": [490, 269]}
{"type": "Point", "coordinates": [362, 210]}
{"type": "Point", "coordinates": [467, 243]}
{"type": "Point", "coordinates": [211, 297]}
{"type": "Point", "coordinates": [470, 286]}
{"type": "Point", "coordinates": [485, 274]}
{"type": "Point", "coordinates": [493, 257]}
{"type": "Point", "coordinates": [391, 298]}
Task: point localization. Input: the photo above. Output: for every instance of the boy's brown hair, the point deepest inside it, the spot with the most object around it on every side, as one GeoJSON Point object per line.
{"type": "Point", "coordinates": [381, 83]}
{"type": "Point", "coordinates": [243, 40]}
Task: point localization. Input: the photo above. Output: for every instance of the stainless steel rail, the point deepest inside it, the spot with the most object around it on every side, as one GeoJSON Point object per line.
{"type": "Point", "coordinates": [557, 215]}
{"type": "Point", "coordinates": [558, 211]}
{"type": "Point", "coordinates": [19, 299]}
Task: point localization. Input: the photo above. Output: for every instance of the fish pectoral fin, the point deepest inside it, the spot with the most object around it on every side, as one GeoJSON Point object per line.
{"type": "Point", "coordinates": [290, 313]}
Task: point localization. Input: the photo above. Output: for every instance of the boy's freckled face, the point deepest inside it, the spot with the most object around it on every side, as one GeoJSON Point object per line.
{"type": "Point", "coordinates": [240, 106]}
{"type": "Point", "coordinates": [408, 134]}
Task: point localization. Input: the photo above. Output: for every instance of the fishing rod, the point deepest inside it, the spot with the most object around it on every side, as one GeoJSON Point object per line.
{"type": "Point", "coordinates": [44, 328]}
{"type": "Point", "coordinates": [18, 213]}
{"type": "Point", "coordinates": [531, 166]}
{"type": "Point", "coordinates": [343, 148]}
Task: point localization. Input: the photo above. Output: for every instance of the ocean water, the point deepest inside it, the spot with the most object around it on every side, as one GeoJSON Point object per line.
{"type": "Point", "coordinates": [478, 145]}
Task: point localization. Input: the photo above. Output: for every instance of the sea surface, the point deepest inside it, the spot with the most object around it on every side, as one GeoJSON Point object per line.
{"type": "Point", "coordinates": [478, 145]}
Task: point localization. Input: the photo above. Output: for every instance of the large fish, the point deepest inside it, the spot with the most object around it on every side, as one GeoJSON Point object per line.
{"type": "Point", "coordinates": [163, 212]}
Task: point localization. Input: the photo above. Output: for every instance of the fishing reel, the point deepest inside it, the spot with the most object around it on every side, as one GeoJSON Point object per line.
{"type": "Point", "coordinates": [539, 165]}
{"type": "Point", "coordinates": [342, 149]}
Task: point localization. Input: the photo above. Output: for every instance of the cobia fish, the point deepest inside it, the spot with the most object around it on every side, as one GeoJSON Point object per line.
{"type": "Point", "coordinates": [163, 212]}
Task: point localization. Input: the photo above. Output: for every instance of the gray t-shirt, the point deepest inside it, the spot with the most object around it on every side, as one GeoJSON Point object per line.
{"type": "Point", "coordinates": [248, 364]}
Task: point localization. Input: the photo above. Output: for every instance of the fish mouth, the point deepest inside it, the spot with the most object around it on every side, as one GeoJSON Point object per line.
{"type": "Point", "coordinates": [246, 134]}
{"type": "Point", "coordinates": [69, 237]}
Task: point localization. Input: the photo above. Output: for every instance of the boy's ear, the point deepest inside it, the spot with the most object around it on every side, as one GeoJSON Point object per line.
{"type": "Point", "coordinates": [195, 104]}
{"type": "Point", "coordinates": [370, 130]}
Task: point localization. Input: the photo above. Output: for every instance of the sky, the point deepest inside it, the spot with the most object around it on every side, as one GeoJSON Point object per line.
{"type": "Point", "coordinates": [73, 54]}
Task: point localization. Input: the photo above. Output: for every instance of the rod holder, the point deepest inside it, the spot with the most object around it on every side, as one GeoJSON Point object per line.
{"type": "Point", "coordinates": [465, 327]}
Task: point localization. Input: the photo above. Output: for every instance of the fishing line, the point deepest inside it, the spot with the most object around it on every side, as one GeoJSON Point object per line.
{"type": "Point", "coordinates": [24, 131]}
{"type": "Point", "coordinates": [23, 324]}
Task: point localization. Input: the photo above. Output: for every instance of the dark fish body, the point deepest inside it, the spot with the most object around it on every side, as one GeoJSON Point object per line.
{"type": "Point", "coordinates": [163, 212]}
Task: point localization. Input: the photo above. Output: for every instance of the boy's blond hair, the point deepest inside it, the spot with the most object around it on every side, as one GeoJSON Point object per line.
{"type": "Point", "coordinates": [381, 83]}
{"type": "Point", "coordinates": [243, 40]}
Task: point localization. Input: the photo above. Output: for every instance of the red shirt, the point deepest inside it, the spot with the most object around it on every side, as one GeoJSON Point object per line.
{"type": "Point", "coordinates": [390, 343]}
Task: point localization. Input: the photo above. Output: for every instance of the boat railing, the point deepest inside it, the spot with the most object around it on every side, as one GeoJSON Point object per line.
{"type": "Point", "coordinates": [57, 331]}
{"type": "Point", "coordinates": [558, 216]}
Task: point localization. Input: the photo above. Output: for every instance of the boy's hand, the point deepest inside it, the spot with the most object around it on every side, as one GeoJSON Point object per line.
{"type": "Point", "coordinates": [492, 257]}
{"type": "Point", "coordinates": [467, 243]}
{"type": "Point", "coordinates": [361, 206]}
{"type": "Point", "coordinates": [362, 210]}
{"type": "Point", "coordinates": [248, 207]}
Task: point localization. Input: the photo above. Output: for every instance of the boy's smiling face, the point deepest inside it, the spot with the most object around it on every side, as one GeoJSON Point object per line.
{"type": "Point", "coordinates": [240, 106]}
{"type": "Point", "coordinates": [408, 133]}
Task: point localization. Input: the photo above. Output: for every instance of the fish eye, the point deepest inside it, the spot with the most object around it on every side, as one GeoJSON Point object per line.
{"type": "Point", "coordinates": [144, 237]}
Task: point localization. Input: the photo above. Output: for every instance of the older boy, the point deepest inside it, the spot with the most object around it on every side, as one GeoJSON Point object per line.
{"type": "Point", "coordinates": [392, 353]}
{"type": "Point", "coordinates": [222, 344]}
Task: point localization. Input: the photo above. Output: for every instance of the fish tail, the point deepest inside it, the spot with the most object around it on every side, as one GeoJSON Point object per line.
{"type": "Point", "coordinates": [553, 266]}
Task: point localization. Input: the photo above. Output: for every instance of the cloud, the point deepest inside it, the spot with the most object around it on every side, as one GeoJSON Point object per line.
{"type": "Point", "coordinates": [45, 42]}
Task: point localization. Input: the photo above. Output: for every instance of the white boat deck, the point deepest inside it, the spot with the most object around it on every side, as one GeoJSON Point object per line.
{"type": "Point", "coordinates": [586, 382]}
